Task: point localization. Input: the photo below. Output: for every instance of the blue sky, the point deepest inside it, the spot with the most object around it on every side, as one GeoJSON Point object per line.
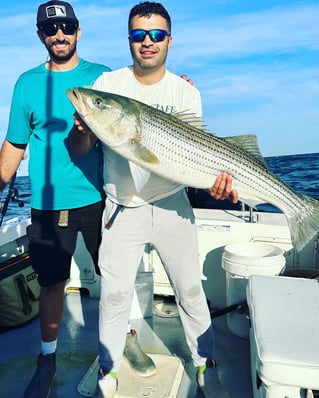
{"type": "Point", "coordinates": [255, 62]}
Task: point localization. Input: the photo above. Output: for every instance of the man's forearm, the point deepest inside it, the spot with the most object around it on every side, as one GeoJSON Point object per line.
{"type": "Point", "coordinates": [10, 158]}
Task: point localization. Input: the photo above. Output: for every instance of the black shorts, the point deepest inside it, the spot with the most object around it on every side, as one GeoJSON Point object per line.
{"type": "Point", "coordinates": [51, 247]}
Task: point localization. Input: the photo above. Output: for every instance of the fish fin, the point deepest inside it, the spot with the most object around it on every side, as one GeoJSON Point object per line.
{"type": "Point", "coordinates": [249, 143]}
{"type": "Point", "coordinates": [190, 118]}
{"type": "Point", "coordinates": [304, 225]}
{"type": "Point", "coordinates": [140, 176]}
{"type": "Point", "coordinates": [143, 153]}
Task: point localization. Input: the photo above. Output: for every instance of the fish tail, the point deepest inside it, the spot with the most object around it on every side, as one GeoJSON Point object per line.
{"type": "Point", "coordinates": [304, 225]}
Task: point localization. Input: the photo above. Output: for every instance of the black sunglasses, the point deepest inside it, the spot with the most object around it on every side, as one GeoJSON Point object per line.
{"type": "Point", "coordinates": [50, 29]}
{"type": "Point", "coordinates": [156, 35]}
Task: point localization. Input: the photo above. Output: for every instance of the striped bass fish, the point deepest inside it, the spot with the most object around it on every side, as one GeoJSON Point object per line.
{"type": "Point", "coordinates": [177, 147]}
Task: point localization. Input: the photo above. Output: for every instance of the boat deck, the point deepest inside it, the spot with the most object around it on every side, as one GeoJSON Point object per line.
{"type": "Point", "coordinates": [77, 350]}
{"type": "Point", "coordinates": [158, 333]}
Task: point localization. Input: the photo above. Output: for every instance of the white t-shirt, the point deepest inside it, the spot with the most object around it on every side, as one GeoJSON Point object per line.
{"type": "Point", "coordinates": [171, 94]}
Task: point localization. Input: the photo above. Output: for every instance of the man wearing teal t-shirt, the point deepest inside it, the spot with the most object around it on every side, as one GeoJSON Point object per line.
{"type": "Point", "coordinates": [67, 195]}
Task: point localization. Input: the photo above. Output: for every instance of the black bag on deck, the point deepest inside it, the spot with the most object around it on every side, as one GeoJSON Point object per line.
{"type": "Point", "coordinates": [19, 292]}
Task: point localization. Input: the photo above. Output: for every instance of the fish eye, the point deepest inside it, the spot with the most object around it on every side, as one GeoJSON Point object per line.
{"type": "Point", "coordinates": [98, 102]}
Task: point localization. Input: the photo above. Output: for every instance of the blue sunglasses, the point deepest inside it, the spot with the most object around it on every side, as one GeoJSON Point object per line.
{"type": "Point", "coordinates": [156, 35]}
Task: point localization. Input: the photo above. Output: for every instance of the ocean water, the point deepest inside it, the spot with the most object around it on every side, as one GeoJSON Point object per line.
{"type": "Point", "coordinates": [300, 172]}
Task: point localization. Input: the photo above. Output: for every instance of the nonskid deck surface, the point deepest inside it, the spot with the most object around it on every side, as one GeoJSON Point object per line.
{"type": "Point", "coordinates": [165, 383]}
{"type": "Point", "coordinates": [77, 351]}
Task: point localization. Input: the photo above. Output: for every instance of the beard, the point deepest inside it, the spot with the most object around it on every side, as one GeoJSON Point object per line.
{"type": "Point", "coordinates": [61, 57]}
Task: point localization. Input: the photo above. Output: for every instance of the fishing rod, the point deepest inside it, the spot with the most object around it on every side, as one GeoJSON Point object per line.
{"type": "Point", "coordinates": [12, 195]}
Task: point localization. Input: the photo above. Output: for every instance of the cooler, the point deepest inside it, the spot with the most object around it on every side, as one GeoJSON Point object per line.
{"type": "Point", "coordinates": [284, 336]}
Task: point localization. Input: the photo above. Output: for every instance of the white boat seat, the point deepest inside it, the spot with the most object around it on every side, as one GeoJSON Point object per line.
{"type": "Point", "coordinates": [284, 336]}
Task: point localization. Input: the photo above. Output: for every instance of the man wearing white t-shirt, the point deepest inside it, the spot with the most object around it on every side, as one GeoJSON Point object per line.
{"type": "Point", "coordinates": [159, 213]}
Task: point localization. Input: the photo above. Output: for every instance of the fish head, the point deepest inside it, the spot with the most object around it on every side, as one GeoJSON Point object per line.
{"type": "Point", "coordinates": [105, 114]}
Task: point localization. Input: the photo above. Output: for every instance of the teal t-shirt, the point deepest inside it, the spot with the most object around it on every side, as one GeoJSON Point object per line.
{"type": "Point", "coordinates": [41, 115]}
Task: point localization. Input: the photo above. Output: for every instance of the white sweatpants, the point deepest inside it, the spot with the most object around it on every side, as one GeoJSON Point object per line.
{"type": "Point", "coordinates": [169, 225]}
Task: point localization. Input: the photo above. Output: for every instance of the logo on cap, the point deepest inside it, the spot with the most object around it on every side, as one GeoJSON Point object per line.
{"type": "Point", "coordinates": [56, 11]}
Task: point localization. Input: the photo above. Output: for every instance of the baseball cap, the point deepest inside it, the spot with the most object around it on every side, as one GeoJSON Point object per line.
{"type": "Point", "coordinates": [55, 10]}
